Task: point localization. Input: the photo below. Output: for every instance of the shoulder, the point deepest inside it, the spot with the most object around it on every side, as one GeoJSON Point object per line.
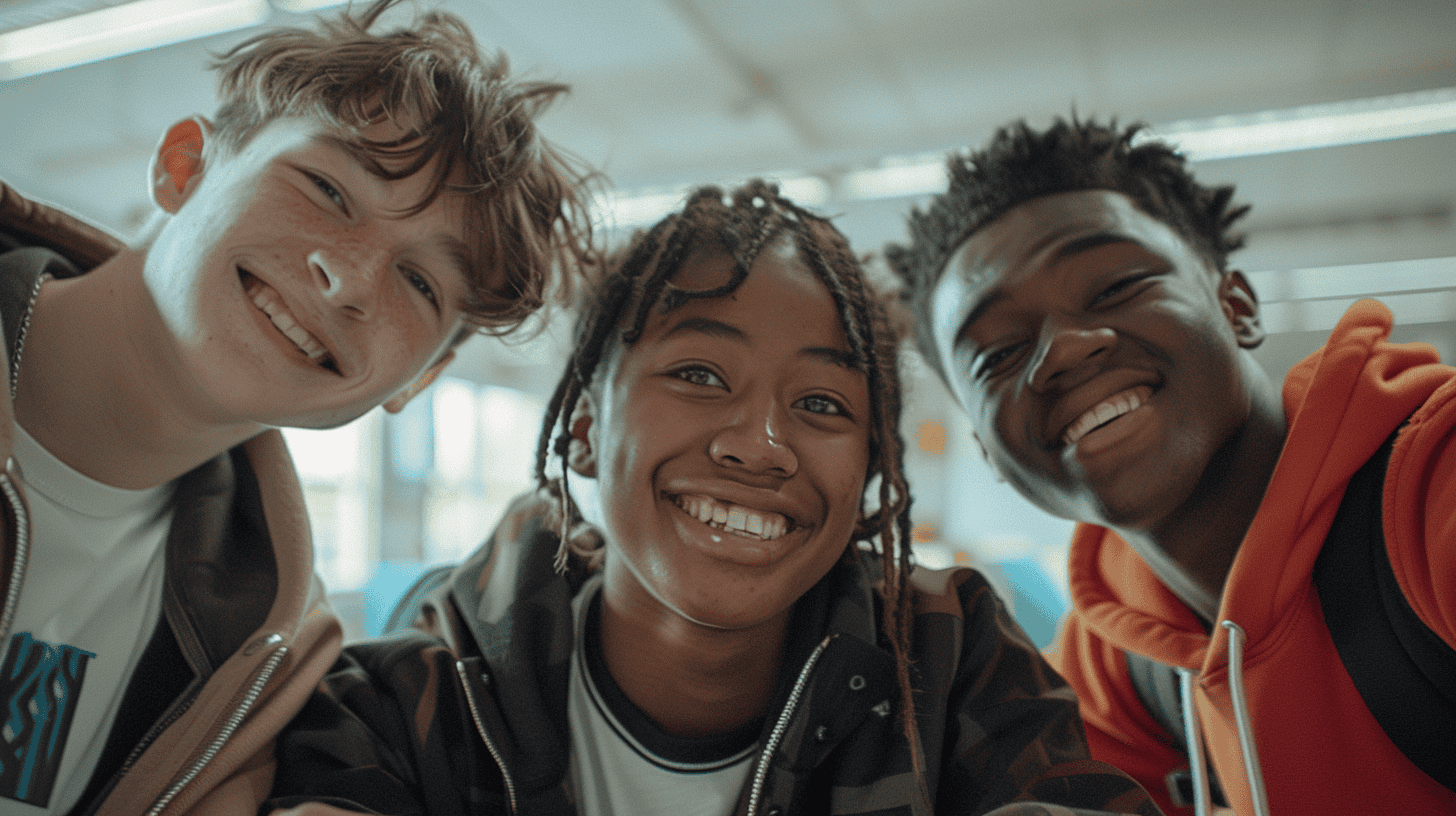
{"type": "Point", "coordinates": [955, 591]}
{"type": "Point", "coordinates": [35, 224]}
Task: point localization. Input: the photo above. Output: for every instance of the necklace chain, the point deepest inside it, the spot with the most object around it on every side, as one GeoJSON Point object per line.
{"type": "Point", "coordinates": [20, 336]}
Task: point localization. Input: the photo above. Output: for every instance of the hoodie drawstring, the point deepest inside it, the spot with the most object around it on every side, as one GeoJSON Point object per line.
{"type": "Point", "coordinates": [1196, 763]}
{"type": "Point", "coordinates": [1243, 721]}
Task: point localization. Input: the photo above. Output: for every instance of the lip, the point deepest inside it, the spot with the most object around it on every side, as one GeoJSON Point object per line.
{"type": "Point", "coordinates": [282, 340]}
{"type": "Point", "coordinates": [1071, 409]}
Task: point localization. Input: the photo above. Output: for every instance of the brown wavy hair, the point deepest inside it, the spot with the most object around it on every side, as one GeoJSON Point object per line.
{"type": "Point", "coordinates": [527, 203]}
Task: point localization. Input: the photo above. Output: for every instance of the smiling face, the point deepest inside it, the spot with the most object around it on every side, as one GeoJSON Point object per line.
{"type": "Point", "coordinates": [730, 443]}
{"type": "Point", "coordinates": [1100, 358]}
{"type": "Point", "coordinates": [297, 291]}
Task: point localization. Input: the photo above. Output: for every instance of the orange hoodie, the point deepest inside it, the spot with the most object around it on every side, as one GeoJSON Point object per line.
{"type": "Point", "coordinates": [1320, 749]}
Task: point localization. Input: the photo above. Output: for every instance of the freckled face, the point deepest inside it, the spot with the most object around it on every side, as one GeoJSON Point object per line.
{"type": "Point", "coordinates": [296, 291]}
{"type": "Point", "coordinates": [1095, 352]}
{"type": "Point", "coordinates": [731, 443]}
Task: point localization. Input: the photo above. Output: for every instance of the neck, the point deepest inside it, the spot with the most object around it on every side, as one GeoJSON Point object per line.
{"type": "Point", "coordinates": [692, 680]}
{"type": "Point", "coordinates": [101, 385]}
{"type": "Point", "coordinates": [1193, 551]}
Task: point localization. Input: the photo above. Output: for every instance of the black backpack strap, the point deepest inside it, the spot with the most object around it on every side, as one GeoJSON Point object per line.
{"type": "Point", "coordinates": [1405, 673]}
{"type": "Point", "coordinates": [1157, 687]}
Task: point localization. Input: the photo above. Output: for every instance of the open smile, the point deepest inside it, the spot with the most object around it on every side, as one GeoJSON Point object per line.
{"type": "Point", "coordinates": [271, 304]}
{"type": "Point", "coordinates": [1106, 412]}
{"type": "Point", "coordinates": [747, 522]}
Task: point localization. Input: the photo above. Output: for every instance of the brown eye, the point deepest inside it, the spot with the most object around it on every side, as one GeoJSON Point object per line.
{"type": "Point", "coordinates": [697, 375]}
{"type": "Point", "coordinates": [422, 286]}
{"type": "Point", "coordinates": [1121, 286]}
{"type": "Point", "coordinates": [820, 404]}
{"type": "Point", "coordinates": [993, 360]}
{"type": "Point", "coordinates": [328, 190]}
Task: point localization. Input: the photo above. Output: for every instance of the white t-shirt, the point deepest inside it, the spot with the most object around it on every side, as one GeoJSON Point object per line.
{"type": "Point", "coordinates": [622, 763]}
{"type": "Point", "coordinates": [90, 601]}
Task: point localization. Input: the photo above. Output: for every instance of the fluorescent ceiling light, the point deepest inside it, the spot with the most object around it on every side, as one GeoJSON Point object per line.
{"type": "Point", "coordinates": [303, 6]}
{"type": "Point", "coordinates": [647, 207]}
{"type": "Point", "coordinates": [118, 30]}
{"type": "Point", "coordinates": [891, 180]}
{"type": "Point", "coordinates": [1312, 126]}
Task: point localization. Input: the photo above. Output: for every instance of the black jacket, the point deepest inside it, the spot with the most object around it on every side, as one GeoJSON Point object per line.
{"type": "Point", "coordinates": [409, 725]}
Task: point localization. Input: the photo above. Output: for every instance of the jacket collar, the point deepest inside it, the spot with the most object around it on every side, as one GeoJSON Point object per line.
{"type": "Point", "coordinates": [515, 614]}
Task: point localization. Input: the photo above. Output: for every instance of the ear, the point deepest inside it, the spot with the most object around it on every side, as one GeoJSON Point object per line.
{"type": "Point", "coordinates": [178, 163]}
{"type": "Point", "coordinates": [581, 457]}
{"type": "Point", "coordinates": [1241, 308]}
{"type": "Point", "coordinates": [396, 403]}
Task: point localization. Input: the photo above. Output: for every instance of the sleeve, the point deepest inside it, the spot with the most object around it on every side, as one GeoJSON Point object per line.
{"type": "Point", "coordinates": [1013, 734]}
{"type": "Point", "coordinates": [1120, 731]}
{"type": "Point", "coordinates": [387, 732]}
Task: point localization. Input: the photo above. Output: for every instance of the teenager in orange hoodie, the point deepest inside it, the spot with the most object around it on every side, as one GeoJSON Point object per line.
{"type": "Point", "coordinates": [1072, 290]}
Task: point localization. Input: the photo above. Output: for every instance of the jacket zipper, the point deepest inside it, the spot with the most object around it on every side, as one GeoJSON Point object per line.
{"type": "Point", "coordinates": [22, 556]}
{"type": "Point", "coordinates": [490, 745]}
{"type": "Point", "coordinates": [250, 696]}
{"type": "Point", "coordinates": [760, 774]}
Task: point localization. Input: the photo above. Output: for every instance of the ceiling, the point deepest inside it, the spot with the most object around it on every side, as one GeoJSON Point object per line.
{"type": "Point", "coordinates": [674, 92]}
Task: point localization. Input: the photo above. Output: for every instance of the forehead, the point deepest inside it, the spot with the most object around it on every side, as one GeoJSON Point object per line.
{"type": "Point", "coordinates": [1035, 233]}
{"type": "Point", "coordinates": [781, 306]}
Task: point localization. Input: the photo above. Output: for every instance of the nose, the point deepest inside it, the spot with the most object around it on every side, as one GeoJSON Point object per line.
{"type": "Point", "coordinates": [1067, 349]}
{"type": "Point", "coordinates": [350, 277]}
{"type": "Point", "coordinates": [753, 441]}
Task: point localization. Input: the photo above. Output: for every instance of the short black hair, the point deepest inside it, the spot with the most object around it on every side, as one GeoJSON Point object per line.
{"type": "Point", "coordinates": [1021, 164]}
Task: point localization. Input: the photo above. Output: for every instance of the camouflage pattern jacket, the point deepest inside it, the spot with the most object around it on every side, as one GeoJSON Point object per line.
{"type": "Point", "coordinates": [471, 717]}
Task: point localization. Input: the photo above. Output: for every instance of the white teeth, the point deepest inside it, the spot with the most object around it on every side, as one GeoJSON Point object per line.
{"type": "Point", "coordinates": [754, 524]}
{"type": "Point", "coordinates": [1106, 411]}
{"type": "Point", "coordinates": [266, 299]}
{"type": "Point", "coordinates": [734, 518]}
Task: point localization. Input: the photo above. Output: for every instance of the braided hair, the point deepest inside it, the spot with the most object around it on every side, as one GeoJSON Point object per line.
{"type": "Point", "coordinates": [639, 279]}
{"type": "Point", "coordinates": [1021, 164]}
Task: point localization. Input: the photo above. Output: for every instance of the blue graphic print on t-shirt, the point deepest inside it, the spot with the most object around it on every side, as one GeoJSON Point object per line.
{"type": "Point", "coordinates": [40, 685]}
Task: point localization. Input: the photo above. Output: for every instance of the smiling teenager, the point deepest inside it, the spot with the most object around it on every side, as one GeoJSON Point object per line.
{"type": "Point", "coordinates": [1073, 291]}
{"type": "Point", "coordinates": [739, 629]}
{"type": "Point", "coordinates": [361, 203]}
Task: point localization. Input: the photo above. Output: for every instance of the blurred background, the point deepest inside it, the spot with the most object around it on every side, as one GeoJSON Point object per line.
{"type": "Point", "coordinates": [1335, 118]}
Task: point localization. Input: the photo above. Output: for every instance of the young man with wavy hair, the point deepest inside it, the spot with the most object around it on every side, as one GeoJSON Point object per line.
{"type": "Point", "coordinates": [362, 201]}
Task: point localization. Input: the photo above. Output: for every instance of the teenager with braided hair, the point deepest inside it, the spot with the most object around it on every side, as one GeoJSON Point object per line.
{"type": "Point", "coordinates": [736, 626]}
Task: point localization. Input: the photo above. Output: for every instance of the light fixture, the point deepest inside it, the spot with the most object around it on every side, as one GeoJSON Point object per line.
{"type": "Point", "coordinates": [1313, 126]}
{"type": "Point", "coordinates": [648, 206]}
{"type": "Point", "coordinates": [305, 6]}
{"type": "Point", "coordinates": [118, 30]}
{"type": "Point", "coordinates": [896, 177]}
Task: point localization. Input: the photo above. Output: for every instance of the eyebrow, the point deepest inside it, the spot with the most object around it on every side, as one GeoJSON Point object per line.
{"type": "Point", "coordinates": [458, 253]}
{"type": "Point", "coordinates": [717, 328]}
{"type": "Point", "coordinates": [1087, 243]}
